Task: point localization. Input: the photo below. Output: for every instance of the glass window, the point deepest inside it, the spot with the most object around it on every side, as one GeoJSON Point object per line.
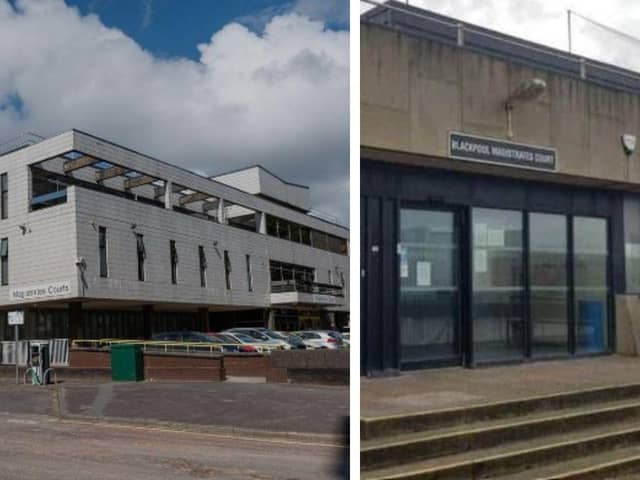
{"type": "Point", "coordinates": [548, 284]}
{"type": "Point", "coordinates": [174, 261]}
{"type": "Point", "coordinates": [203, 266]}
{"type": "Point", "coordinates": [497, 263]}
{"type": "Point", "coordinates": [102, 250]}
{"type": "Point", "coordinates": [141, 255]}
{"type": "Point", "coordinates": [632, 242]}
{"type": "Point", "coordinates": [4, 192]}
{"type": "Point", "coordinates": [249, 273]}
{"type": "Point", "coordinates": [227, 269]}
{"type": "Point", "coordinates": [4, 261]}
{"type": "Point", "coordinates": [272, 226]}
{"type": "Point", "coordinates": [428, 279]}
{"type": "Point", "coordinates": [591, 283]}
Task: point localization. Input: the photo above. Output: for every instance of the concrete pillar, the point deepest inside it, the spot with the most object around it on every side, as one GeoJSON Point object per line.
{"type": "Point", "coordinates": [203, 319]}
{"type": "Point", "coordinates": [168, 195]}
{"type": "Point", "coordinates": [262, 222]}
{"type": "Point", "coordinates": [222, 218]}
{"type": "Point", "coordinates": [147, 316]}
{"type": "Point", "coordinates": [75, 320]}
{"type": "Point", "coordinates": [271, 321]}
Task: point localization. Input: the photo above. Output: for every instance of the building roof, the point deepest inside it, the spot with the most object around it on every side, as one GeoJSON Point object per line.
{"type": "Point", "coordinates": [416, 21]}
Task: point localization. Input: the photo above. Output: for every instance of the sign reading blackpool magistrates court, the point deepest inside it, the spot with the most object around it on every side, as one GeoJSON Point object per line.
{"type": "Point", "coordinates": [480, 149]}
{"type": "Point", "coordinates": [49, 290]}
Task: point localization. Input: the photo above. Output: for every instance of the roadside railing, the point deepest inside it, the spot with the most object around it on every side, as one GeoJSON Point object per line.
{"type": "Point", "coordinates": [159, 346]}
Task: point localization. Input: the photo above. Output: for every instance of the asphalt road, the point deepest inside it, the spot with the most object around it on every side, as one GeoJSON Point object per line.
{"type": "Point", "coordinates": [44, 447]}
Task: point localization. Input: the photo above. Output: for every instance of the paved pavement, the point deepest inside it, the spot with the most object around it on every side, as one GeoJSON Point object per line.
{"type": "Point", "coordinates": [248, 406]}
{"type": "Point", "coordinates": [34, 447]}
{"type": "Point", "coordinates": [173, 430]}
{"type": "Point", "coordinates": [457, 387]}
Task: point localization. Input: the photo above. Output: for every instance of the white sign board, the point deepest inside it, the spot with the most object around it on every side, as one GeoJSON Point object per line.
{"type": "Point", "coordinates": [57, 289]}
{"type": "Point", "coordinates": [16, 317]}
{"type": "Point", "coordinates": [423, 274]}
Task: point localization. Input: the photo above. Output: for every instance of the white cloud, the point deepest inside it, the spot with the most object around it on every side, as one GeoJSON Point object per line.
{"type": "Point", "coordinates": [545, 22]}
{"type": "Point", "coordinates": [279, 98]}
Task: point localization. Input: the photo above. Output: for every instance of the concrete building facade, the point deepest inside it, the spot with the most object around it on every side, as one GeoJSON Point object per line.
{"type": "Point", "coordinates": [101, 241]}
{"type": "Point", "coordinates": [500, 208]}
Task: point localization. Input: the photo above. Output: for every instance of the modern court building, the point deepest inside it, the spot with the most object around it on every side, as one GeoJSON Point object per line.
{"type": "Point", "coordinates": [97, 240]}
{"type": "Point", "coordinates": [500, 207]}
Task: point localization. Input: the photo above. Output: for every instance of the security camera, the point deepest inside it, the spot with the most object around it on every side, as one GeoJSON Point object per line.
{"type": "Point", "coordinates": [80, 262]}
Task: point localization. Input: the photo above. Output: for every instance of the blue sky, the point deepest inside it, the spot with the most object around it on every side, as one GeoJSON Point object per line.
{"type": "Point", "coordinates": [173, 28]}
{"type": "Point", "coordinates": [210, 85]}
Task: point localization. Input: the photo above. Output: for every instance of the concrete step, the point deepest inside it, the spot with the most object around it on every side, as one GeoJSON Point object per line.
{"type": "Point", "coordinates": [619, 463]}
{"type": "Point", "coordinates": [381, 452]}
{"type": "Point", "coordinates": [518, 456]}
{"type": "Point", "coordinates": [394, 425]}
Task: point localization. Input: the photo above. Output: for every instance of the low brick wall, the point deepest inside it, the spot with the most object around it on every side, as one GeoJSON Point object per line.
{"type": "Point", "coordinates": [327, 367]}
{"type": "Point", "coordinates": [247, 365]}
{"type": "Point", "coordinates": [157, 366]}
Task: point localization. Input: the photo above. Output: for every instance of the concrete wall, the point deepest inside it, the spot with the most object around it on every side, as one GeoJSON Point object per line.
{"type": "Point", "coordinates": [414, 91]}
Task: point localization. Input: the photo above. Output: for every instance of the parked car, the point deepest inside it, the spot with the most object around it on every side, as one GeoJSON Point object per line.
{"type": "Point", "coordinates": [264, 335]}
{"type": "Point", "coordinates": [260, 345]}
{"type": "Point", "coordinates": [346, 339]}
{"type": "Point", "coordinates": [321, 339]}
{"type": "Point", "coordinates": [191, 337]}
{"type": "Point", "coordinates": [230, 340]}
{"type": "Point", "coordinates": [294, 340]}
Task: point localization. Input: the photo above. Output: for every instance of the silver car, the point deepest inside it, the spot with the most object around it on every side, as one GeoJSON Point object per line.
{"type": "Point", "coordinates": [321, 339]}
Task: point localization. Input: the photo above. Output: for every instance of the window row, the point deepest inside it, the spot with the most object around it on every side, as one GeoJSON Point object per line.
{"type": "Point", "coordinates": [49, 189]}
{"type": "Point", "coordinates": [141, 256]}
{"type": "Point", "coordinates": [278, 227]}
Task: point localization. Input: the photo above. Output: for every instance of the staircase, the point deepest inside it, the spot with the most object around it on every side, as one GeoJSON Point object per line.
{"type": "Point", "coordinates": [581, 435]}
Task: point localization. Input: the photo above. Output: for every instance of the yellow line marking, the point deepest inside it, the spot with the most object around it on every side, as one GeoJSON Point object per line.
{"type": "Point", "coordinates": [205, 434]}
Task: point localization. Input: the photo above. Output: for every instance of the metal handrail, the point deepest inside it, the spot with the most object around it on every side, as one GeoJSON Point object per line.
{"type": "Point", "coordinates": [187, 347]}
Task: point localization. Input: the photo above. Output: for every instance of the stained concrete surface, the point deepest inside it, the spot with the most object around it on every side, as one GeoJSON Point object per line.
{"type": "Point", "coordinates": [34, 447]}
{"type": "Point", "coordinates": [437, 389]}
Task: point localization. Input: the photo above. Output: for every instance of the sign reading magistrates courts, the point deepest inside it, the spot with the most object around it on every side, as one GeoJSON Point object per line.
{"type": "Point", "coordinates": [480, 149]}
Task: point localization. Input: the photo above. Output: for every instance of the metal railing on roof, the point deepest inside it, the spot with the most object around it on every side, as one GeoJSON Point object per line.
{"type": "Point", "coordinates": [462, 34]}
{"type": "Point", "coordinates": [21, 141]}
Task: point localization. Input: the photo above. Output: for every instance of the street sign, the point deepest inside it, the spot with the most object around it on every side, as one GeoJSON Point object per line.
{"type": "Point", "coordinates": [16, 317]}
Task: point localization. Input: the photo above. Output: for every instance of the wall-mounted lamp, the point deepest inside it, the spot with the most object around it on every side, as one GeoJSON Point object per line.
{"type": "Point", "coordinates": [629, 143]}
{"type": "Point", "coordinates": [526, 92]}
{"type": "Point", "coordinates": [24, 229]}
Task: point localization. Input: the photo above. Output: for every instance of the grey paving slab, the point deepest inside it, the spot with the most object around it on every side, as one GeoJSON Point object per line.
{"type": "Point", "coordinates": [269, 407]}
{"type": "Point", "coordinates": [437, 389]}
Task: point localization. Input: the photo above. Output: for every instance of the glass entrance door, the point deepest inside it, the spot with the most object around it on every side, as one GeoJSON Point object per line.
{"type": "Point", "coordinates": [429, 301]}
{"type": "Point", "coordinates": [498, 285]}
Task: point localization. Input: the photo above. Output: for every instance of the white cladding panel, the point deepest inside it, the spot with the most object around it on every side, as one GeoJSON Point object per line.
{"type": "Point", "coordinates": [46, 252]}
